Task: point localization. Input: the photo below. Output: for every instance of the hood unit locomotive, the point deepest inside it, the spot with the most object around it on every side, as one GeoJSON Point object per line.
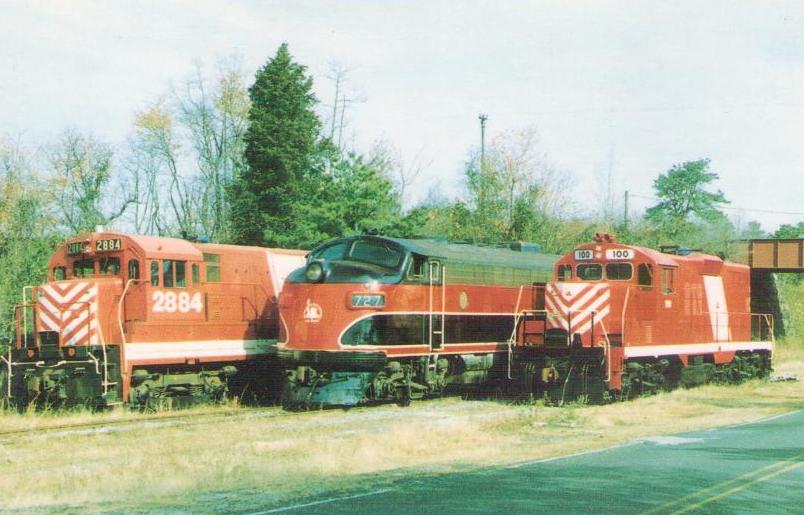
{"type": "Point", "coordinates": [373, 318]}
{"type": "Point", "coordinates": [145, 320]}
{"type": "Point", "coordinates": [627, 320]}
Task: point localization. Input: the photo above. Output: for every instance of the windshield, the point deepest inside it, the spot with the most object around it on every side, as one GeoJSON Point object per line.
{"type": "Point", "coordinates": [376, 252]}
{"type": "Point", "coordinates": [590, 272]}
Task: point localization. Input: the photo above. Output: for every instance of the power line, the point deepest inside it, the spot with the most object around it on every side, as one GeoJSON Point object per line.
{"type": "Point", "coordinates": [731, 208]}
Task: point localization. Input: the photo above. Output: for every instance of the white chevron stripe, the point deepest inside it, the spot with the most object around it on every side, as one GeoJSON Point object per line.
{"type": "Point", "coordinates": [49, 307]}
{"type": "Point", "coordinates": [79, 288]}
{"type": "Point", "coordinates": [47, 322]}
{"type": "Point", "coordinates": [77, 337]}
{"type": "Point", "coordinates": [577, 303]}
{"type": "Point", "coordinates": [75, 323]}
{"type": "Point", "coordinates": [580, 317]}
{"type": "Point", "coordinates": [587, 326]}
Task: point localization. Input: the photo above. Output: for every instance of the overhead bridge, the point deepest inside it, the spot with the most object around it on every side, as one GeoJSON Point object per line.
{"type": "Point", "coordinates": [773, 256]}
{"type": "Point", "coordinates": [767, 257]}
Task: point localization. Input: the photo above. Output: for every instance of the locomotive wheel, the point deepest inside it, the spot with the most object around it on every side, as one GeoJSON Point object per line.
{"type": "Point", "coordinates": [403, 395]}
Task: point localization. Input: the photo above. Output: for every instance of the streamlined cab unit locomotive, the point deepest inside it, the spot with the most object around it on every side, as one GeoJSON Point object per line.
{"type": "Point", "coordinates": [372, 318]}
{"type": "Point", "coordinates": [145, 320]}
{"type": "Point", "coordinates": [625, 320]}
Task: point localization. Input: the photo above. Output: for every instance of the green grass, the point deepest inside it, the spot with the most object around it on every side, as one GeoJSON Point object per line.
{"type": "Point", "coordinates": [791, 293]}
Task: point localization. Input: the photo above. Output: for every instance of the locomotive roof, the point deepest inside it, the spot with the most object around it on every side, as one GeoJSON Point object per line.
{"type": "Point", "coordinates": [466, 253]}
{"type": "Point", "coordinates": [161, 246]}
{"type": "Point", "coordinates": [709, 262]}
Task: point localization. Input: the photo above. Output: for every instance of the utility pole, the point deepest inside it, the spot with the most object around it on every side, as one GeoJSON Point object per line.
{"type": "Point", "coordinates": [625, 212]}
{"type": "Point", "coordinates": [483, 119]}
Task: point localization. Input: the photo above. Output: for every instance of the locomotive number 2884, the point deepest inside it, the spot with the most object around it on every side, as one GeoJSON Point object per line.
{"type": "Point", "coordinates": [170, 302]}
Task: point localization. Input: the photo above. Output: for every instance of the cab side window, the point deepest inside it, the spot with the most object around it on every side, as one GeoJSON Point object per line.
{"type": "Point", "coordinates": [59, 273]}
{"type": "Point", "coordinates": [565, 272]}
{"type": "Point", "coordinates": [213, 266]}
{"type": "Point", "coordinates": [174, 274]}
{"type": "Point", "coordinates": [418, 268]}
{"type": "Point", "coordinates": [668, 280]}
{"type": "Point", "coordinates": [154, 273]}
{"type": "Point", "coordinates": [133, 269]}
{"type": "Point", "coordinates": [645, 275]}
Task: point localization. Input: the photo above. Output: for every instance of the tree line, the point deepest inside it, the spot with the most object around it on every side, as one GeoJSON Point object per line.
{"type": "Point", "coordinates": [256, 165]}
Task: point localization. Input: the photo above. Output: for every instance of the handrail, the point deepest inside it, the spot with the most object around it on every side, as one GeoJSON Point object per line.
{"type": "Point", "coordinates": [514, 331]}
{"type": "Point", "coordinates": [122, 333]}
{"type": "Point", "coordinates": [25, 315]}
{"type": "Point", "coordinates": [8, 363]}
{"type": "Point", "coordinates": [625, 308]}
{"type": "Point", "coordinates": [606, 350]}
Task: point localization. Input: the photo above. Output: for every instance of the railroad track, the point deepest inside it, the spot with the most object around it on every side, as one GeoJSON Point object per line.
{"type": "Point", "coordinates": [167, 419]}
{"type": "Point", "coordinates": [159, 420]}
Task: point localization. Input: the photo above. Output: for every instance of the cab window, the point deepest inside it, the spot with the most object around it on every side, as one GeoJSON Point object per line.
{"type": "Point", "coordinates": [332, 252]}
{"type": "Point", "coordinates": [133, 269]}
{"type": "Point", "coordinates": [83, 267]}
{"type": "Point", "coordinates": [196, 274]}
{"type": "Point", "coordinates": [59, 273]}
{"type": "Point", "coordinates": [174, 274]}
{"type": "Point", "coordinates": [154, 273]}
{"type": "Point", "coordinates": [590, 272]}
{"type": "Point", "coordinates": [668, 280]}
{"type": "Point", "coordinates": [645, 275]}
{"type": "Point", "coordinates": [418, 267]}
{"type": "Point", "coordinates": [109, 265]}
{"type": "Point", "coordinates": [181, 273]}
{"type": "Point", "coordinates": [213, 266]}
{"type": "Point", "coordinates": [619, 271]}
{"type": "Point", "coordinates": [564, 272]}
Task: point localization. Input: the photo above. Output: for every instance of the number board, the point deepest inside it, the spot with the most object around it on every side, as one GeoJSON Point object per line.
{"type": "Point", "coordinates": [584, 255]}
{"type": "Point", "coordinates": [619, 254]}
{"type": "Point", "coordinates": [76, 248]}
{"type": "Point", "coordinates": [361, 300]}
{"type": "Point", "coordinates": [107, 245]}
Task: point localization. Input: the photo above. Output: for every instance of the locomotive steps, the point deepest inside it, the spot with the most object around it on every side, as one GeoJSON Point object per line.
{"type": "Point", "coordinates": [229, 458]}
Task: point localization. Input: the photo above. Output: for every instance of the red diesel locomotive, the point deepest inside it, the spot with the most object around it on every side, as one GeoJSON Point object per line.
{"type": "Point", "coordinates": [145, 320]}
{"type": "Point", "coordinates": [625, 320]}
{"type": "Point", "coordinates": [372, 318]}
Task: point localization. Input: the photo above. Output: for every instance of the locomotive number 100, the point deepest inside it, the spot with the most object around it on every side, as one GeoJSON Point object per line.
{"type": "Point", "coordinates": [170, 302]}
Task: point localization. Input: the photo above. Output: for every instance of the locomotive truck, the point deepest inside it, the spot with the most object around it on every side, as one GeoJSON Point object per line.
{"type": "Point", "coordinates": [147, 321]}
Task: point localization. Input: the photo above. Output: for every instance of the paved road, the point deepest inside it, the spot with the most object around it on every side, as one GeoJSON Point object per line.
{"type": "Point", "coordinates": [756, 468]}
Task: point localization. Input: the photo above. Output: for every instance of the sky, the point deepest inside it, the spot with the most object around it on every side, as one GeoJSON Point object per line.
{"type": "Point", "coordinates": [631, 87]}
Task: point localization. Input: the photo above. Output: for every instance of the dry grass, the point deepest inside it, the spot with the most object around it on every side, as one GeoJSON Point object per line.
{"type": "Point", "coordinates": [285, 457]}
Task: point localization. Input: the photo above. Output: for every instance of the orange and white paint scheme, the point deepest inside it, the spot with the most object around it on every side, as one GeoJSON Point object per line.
{"type": "Point", "coordinates": [153, 303]}
{"type": "Point", "coordinates": [641, 303]}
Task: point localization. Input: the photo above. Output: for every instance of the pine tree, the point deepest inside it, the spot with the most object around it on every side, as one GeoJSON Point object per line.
{"type": "Point", "coordinates": [280, 145]}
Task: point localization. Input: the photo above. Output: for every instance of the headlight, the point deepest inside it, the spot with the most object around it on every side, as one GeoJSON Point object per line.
{"type": "Point", "coordinates": [314, 272]}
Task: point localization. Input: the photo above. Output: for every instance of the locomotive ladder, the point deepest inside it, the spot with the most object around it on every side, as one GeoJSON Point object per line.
{"type": "Point", "coordinates": [437, 275]}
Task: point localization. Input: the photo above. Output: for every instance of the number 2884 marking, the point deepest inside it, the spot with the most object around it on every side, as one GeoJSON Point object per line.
{"type": "Point", "coordinates": [170, 302]}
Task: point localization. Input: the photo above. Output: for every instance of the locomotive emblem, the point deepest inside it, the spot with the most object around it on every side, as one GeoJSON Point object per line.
{"type": "Point", "coordinates": [312, 312]}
